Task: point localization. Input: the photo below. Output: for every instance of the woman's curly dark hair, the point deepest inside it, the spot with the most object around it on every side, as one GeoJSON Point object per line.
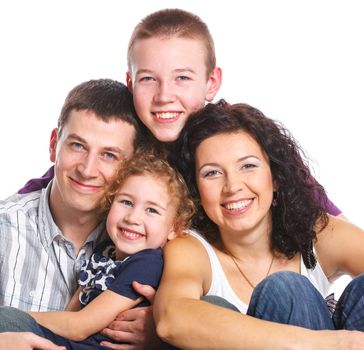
{"type": "Point", "coordinates": [299, 211]}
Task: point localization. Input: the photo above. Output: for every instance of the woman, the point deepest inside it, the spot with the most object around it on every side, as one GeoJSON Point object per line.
{"type": "Point", "coordinates": [268, 247]}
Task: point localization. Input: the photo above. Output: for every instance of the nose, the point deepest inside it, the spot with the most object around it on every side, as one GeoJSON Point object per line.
{"type": "Point", "coordinates": [233, 183]}
{"type": "Point", "coordinates": [165, 93]}
{"type": "Point", "coordinates": [133, 216]}
{"type": "Point", "coordinates": [88, 166]}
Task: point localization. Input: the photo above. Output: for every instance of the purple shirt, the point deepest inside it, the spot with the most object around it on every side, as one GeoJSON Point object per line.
{"type": "Point", "coordinates": [38, 184]}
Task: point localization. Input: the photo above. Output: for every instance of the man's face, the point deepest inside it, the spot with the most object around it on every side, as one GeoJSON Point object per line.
{"type": "Point", "coordinates": [169, 80]}
{"type": "Point", "coordinates": [86, 155]}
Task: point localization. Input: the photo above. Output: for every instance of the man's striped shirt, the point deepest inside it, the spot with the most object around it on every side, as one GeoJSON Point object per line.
{"type": "Point", "coordinates": [38, 266]}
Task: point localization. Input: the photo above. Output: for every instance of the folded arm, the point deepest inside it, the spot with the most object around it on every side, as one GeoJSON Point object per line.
{"type": "Point", "coordinates": [185, 321]}
{"type": "Point", "coordinates": [78, 325]}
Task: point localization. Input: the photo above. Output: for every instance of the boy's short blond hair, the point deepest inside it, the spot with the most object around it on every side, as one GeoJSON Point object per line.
{"type": "Point", "coordinates": [146, 162]}
{"type": "Point", "coordinates": [174, 23]}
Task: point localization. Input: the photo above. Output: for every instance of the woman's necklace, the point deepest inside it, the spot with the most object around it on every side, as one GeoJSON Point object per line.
{"type": "Point", "coordinates": [241, 271]}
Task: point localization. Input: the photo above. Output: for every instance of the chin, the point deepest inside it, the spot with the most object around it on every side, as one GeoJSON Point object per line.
{"type": "Point", "coordinates": [166, 138]}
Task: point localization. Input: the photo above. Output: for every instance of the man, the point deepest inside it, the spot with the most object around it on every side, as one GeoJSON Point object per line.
{"type": "Point", "coordinates": [47, 234]}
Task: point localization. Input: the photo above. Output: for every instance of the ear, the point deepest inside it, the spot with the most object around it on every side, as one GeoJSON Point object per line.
{"type": "Point", "coordinates": [275, 186]}
{"type": "Point", "coordinates": [213, 84]}
{"type": "Point", "coordinates": [129, 82]}
{"type": "Point", "coordinates": [172, 234]}
{"type": "Point", "coordinates": [53, 145]}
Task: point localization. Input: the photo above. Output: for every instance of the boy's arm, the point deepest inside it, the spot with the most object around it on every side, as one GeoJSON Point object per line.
{"type": "Point", "coordinates": [78, 325]}
{"type": "Point", "coordinates": [340, 248]}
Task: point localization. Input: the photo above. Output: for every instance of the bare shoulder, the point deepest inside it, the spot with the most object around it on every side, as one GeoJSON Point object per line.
{"type": "Point", "coordinates": [339, 247]}
{"type": "Point", "coordinates": [338, 228]}
{"type": "Point", "coordinates": [186, 257]}
{"type": "Point", "coordinates": [185, 244]}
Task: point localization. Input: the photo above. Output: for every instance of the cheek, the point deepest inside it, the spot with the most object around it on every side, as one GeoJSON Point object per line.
{"type": "Point", "coordinates": [208, 195]}
{"type": "Point", "coordinates": [108, 172]}
{"type": "Point", "coordinates": [194, 100]}
{"type": "Point", "coordinates": [66, 159]}
{"type": "Point", "coordinates": [142, 95]}
{"type": "Point", "coordinates": [114, 215]}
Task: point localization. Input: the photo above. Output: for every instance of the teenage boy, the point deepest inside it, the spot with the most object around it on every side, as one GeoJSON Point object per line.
{"type": "Point", "coordinates": [46, 235]}
{"type": "Point", "coordinates": [171, 73]}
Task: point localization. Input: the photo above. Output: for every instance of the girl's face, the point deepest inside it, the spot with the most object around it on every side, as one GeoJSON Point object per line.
{"type": "Point", "coordinates": [141, 215]}
{"type": "Point", "coordinates": [235, 182]}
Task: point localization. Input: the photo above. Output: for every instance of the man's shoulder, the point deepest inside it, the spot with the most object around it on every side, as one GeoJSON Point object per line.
{"type": "Point", "coordinates": [20, 202]}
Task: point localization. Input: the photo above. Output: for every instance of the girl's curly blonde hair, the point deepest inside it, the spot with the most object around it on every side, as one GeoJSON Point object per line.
{"type": "Point", "coordinates": [146, 162]}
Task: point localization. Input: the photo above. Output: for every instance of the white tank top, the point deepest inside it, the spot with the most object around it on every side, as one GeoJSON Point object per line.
{"type": "Point", "coordinates": [220, 286]}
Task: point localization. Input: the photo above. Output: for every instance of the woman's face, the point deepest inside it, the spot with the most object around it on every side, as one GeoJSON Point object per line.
{"type": "Point", "coordinates": [235, 182]}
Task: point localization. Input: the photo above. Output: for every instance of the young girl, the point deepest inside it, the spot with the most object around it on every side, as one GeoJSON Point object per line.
{"type": "Point", "coordinates": [147, 205]}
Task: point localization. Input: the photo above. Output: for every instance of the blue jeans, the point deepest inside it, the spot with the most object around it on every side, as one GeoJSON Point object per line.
{"type": "Point", "coordinates": [290, 298]}
{"type": "Point", "coordinates": [14, 320]}
{"type": "Point", "coordinates": [349, 313]}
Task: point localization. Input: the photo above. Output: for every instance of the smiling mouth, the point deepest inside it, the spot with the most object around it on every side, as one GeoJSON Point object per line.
{"type": "Point", "coordinates": [132, 235]}
{"type": "Point", "coordinates": [84, 186]}
{"type": "Point", "coordinates": [166, 116]}
{"type": "Point", "coordinates": [237, 205]}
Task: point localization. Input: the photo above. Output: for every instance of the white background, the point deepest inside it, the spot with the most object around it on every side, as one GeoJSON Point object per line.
{"type": "Point", "coordinates": [300, 62]}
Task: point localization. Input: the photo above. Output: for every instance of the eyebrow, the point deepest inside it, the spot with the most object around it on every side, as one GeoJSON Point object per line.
{"type": "Point", "coordinates": [178, 70]}
{"type": "Point", "coordinates": [82, 140]}
{"type": "Point", "coordinates": [187, 69]}
{"type": "Point", "coordinates": [239, 160]}
{"type": "Point", "coordinates": [156, 205]}
{"type": "Point", "coordinates": [140, 71]}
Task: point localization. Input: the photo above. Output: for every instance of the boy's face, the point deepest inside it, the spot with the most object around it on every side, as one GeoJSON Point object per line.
{"type": "Point", "coordinates": [86, 155]}
{"type": "Point", "coordinates": [141, 215]}
{"type": "Point", "coordinates": [169, 81]}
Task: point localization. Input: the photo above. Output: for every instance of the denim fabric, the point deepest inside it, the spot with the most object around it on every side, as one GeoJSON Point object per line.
{"type": "Point", "coordinates": [216, 300]}
{"type": "Point", "coordinates": [290, 298]}
{"type": "Point", "coordinates": [349, 313]}
{"type": "Point", "coordinates": [14, 320]}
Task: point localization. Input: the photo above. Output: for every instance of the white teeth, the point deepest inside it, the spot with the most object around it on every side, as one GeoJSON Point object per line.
{"type": "Point", "coordinates": [238, 205]}
{"type": "Point", "coordinates": [166, 115]}
{"type": "Point", "coordinates": [131, 234]}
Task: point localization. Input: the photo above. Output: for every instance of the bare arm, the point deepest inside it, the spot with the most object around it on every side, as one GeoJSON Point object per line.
{"type": "Point", "coordinates": [76, 325]}
{"type": "Point", "coordinates": [340, 248]}
{"type": "Point", "coordinates": [75, 304]}
{"type": "Point", "coordinates": [185, 321]}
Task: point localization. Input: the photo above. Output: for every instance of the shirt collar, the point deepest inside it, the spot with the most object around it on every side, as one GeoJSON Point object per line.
{"type": "Point", "coordinates": [49, 231]}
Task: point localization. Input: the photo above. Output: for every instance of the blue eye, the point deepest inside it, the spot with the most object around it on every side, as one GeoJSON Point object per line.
{"type": "Point", "coordinates": [183, 77]}
{"type": "Point", "coordinates": [152, 211]}
{"type": "Point", "coordinates": [77, 145]}
{"type": "Point", "coordinates": [146, 79]}
{"type": "Point", "coordinates": [109, 155]}
{"type": "Point", "coordinates": [126, 202]}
